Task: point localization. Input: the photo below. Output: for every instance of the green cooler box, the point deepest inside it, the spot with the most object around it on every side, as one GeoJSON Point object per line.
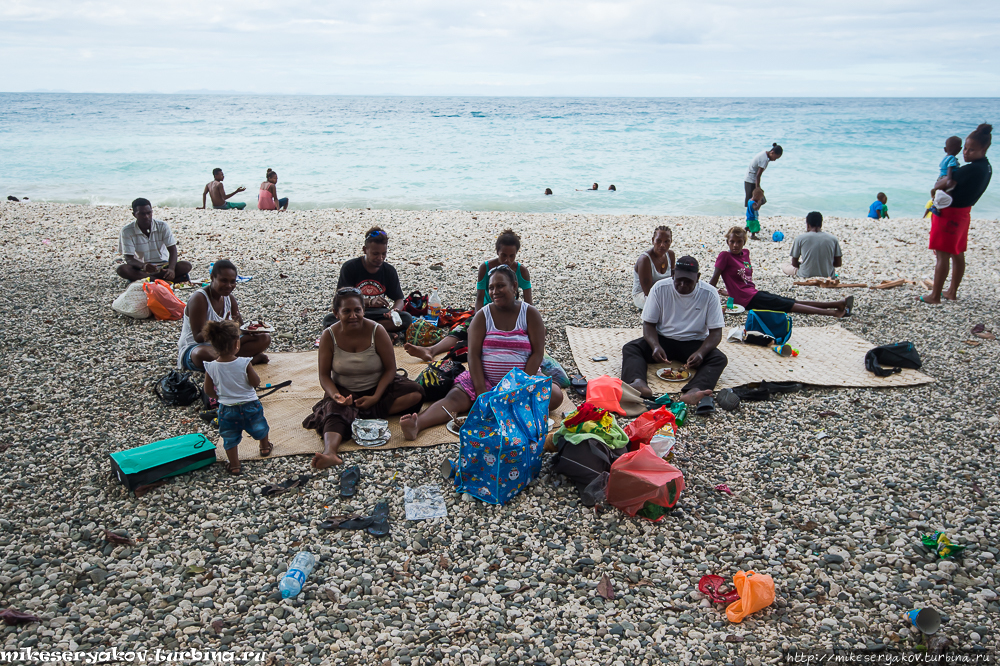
{"type": "Point", "coordinates": [169, 457]}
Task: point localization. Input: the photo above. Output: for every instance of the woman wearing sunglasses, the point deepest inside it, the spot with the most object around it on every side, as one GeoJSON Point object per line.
{"type": "Point", "coordinates": [377, 281]}
{"type": "Point", "coordinates": [507, 333]}
{"type": "Point", "coordinates": [357, 370]}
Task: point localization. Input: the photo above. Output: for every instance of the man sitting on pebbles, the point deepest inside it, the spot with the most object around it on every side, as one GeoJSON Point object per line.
{"type": "Point", "coordinates": [149, 248]}
{"type": "Point", "coordinates": [217, 191]}
{"type": "Point", "coordinates": [815, 253]}
{"type": "Point", "coordinates": [681, 321]}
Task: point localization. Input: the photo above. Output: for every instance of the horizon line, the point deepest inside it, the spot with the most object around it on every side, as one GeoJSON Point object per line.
{"type": "Point", "coordinates": [236, 93]}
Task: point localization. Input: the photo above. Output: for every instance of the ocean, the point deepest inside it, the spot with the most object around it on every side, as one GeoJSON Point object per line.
{"type": "Point", "coordinates": [665, 156]}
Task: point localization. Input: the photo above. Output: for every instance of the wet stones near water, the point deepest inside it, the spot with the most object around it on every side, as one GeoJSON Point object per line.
{"type": "Point", "coordinates": [836, 522]}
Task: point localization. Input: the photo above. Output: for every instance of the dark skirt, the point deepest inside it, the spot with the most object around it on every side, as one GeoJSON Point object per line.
{"type": "Point", "coordinates": [329, 416]}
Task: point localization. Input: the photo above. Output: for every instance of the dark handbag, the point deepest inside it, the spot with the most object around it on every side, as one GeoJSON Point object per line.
{"type": "Point", "coordinates": [899, 355]}
{"type": "Point", "coordinates": [438, 378]}
{"type": "Point", "coordinates": [178, 389]}
{"type": "Point", "coordinates": [415, 304]}
{"type": "Point", "coordinates": [582, 463]}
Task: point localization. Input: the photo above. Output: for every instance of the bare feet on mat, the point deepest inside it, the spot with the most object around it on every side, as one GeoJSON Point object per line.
{"type": "Point", "coordinates": [694, 397]}
{"type": "Point", "coordinates": [642, 387]}
{"type": "Point", "coordinates": [408, 424]}
{"type": "Point", "coordinates": [323, 460]}
{"type": "Point", "coordinates": [423, 353]}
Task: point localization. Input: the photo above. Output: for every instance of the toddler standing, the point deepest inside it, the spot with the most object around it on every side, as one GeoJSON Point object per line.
{"type": "Point", "coordinates": [753, 209]}
{"type": "Point", "coordinates": [232, 380]}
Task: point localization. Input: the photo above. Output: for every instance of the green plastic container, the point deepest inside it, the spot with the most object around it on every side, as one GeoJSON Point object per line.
{"type": "Point", "coordinates": [159, 460]}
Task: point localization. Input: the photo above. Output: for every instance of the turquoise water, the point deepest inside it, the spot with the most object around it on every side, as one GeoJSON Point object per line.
{"type": "Point", "coordinates": [666, 156]}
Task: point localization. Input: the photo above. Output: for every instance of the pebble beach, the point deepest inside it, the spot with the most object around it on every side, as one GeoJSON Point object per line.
{"type": "Point", "coordinates": [835, 520]}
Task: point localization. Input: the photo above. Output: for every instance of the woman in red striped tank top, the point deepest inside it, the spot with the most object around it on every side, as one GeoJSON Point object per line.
{"type": "Point", "coordinates": [505, 334]}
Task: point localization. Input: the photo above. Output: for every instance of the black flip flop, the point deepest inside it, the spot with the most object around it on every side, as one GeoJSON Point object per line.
{"type": "Point", "coordinates": [349, 481]}
{"type": "Point", "coordinates": [728, 400]}
{"type": "Point", "coordinates": [334, 522]}
{"type": "Point", "coordinates": [579, 385]}
{"type": "Point", "coordinates": [848, 306]}
{"type": "Point", "coordinates": [284, 486]}
{"type": "Point", "coordinates": [356, 523]}
{"type": "Point", "coordinates": [380, 518]}
{"type": "Point", "coordinates": [705, 407]}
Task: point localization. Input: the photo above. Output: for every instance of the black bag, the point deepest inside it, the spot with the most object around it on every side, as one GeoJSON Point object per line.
{"type": "Point", "coordinates": [899, 355]}
{"type": "Point", "coordinates": [178, 389]}
{"type": "Point", "coordinates": [438, 378]}
{"type": "Point", "coordinates": [582, 463]}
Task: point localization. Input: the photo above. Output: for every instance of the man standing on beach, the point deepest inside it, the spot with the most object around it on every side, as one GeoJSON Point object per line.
{"type": "Point", "coordinates": [218, 193]}
{"type": "Point", "coordinates": [682, 321]}
{"type": "Point", "coordinates": [149, 248]}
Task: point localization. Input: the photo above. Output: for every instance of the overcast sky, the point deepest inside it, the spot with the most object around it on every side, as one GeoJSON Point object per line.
{"type": "Point", "coordinates": [484, 47]}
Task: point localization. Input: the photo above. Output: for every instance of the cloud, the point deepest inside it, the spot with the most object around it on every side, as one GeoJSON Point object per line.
{"type": "Point", "coordinates": [556, 47]}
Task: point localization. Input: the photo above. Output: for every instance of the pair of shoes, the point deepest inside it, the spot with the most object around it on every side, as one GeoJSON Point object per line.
{"type": "Point", "coordinates": [376, 524]}
{"type": "Point", "coordinates": [579, 385]}
{"type": "Point", "coordinates": [284, 486]}
{"type": "Point", "coordinates": [726, 398]}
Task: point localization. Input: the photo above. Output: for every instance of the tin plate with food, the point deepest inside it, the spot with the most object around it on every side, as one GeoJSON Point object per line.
{"type": "Point", "coordinates": [673, 374]}
{"type": "Point", "coordinates": [257, 327]}
{"type": "Point", "coordinates": [735, 310]}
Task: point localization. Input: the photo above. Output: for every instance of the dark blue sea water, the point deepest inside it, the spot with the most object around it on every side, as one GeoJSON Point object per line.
{"type": "Point", "coordinates": [666, 156]}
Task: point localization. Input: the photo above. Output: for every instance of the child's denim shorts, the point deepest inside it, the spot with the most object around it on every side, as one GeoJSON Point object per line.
{"type": "Point", "coordinates": [234, 419]}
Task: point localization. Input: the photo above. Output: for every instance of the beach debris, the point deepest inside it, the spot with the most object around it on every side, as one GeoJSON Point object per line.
{"type": "Point", "coordinates": [13, 617]}
{"type": "Point", "coordinates": [828, 412]}
{"type": "Point", "coordinates": [830, 283]}
{"type": "Point", "coordinates": [605, 589]}
{"type": "Point", "coordinates": [283, 487]}
{"type": "Point", "coordinates": [941, 544]}
{"type": "Point", "coordinates": [723, 488]}
{"type": "Point", "coordinates": [120, 539]}
{"type": "Point", "coordinates": [712, 587]}
{"type": "Point", "coordinates": [980, 331]}
{"type": "Point", "coordinates": [891, 284]}
{"type": "Point", "coordinates": [218, 626]}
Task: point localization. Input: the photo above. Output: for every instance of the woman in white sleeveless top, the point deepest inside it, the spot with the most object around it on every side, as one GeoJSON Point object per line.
{"type": "Point", "coordinates": [215, 303]}
{"type": "Point", "coordinates": [653, 265]}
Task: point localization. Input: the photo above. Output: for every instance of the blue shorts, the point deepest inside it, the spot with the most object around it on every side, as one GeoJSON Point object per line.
{"type": "Point", "coordinates": [234, 419]}
{"type": "Point", "coordinates": [186, 357]}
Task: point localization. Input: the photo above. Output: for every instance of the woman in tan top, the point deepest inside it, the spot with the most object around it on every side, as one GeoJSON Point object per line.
{"type": "Point", "coordinates": [357, 370]}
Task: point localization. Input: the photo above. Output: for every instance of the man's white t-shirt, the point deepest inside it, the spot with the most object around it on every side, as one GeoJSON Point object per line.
{"type": "Point", "coordinates": [759, 162]}
{"type": "Point", "coordinates": [683, 317]}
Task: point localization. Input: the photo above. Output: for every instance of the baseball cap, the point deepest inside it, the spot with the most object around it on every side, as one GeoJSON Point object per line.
{"type": "Point", "coordinates": [686, 267]}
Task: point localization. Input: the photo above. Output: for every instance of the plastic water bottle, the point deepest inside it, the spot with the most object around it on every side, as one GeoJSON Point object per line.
{"type": "Point", "coordinates": [298, 570]}
{"type": "Point", "coordinates": [434, 305]}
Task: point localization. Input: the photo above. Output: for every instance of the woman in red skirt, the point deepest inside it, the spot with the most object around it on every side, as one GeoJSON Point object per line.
{"type": "Point", "coordinates": [950, 227]}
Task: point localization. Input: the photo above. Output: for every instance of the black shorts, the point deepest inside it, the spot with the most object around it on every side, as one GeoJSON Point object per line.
{"type": "Point", "coordinates": [764, 300]}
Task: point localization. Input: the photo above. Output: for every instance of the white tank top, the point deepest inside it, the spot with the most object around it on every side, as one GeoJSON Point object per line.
{"type": "Point", "coordinates": [230, 379]}
{"type": "Point", "coordinates": [657, 276]}
{"type": "Point", "coordinates": [187, 336]}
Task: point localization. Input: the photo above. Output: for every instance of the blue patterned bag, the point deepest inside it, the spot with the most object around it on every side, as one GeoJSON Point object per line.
{"type": "Point", "coordinates": [501, 441]}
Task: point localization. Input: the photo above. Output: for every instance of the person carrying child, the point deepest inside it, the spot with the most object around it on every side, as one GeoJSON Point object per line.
{"type": "Point", "coordinates": [753, 210]}
{"type": "Point", "coordinates": [232, 381]}
{"type": "Point", "coordinates": [736, 271]}
{"type": "Point", "coordinates": [941, 196]}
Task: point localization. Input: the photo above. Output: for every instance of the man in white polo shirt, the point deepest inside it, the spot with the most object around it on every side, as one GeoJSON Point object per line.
{"type": "Point", "coordinates": [682, 321]}
{"type": "Point", "coordinates": [149, 248]}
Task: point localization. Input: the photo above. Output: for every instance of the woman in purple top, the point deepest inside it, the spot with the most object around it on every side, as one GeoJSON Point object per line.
{"type": "Point", "coordinates": [735, 270]}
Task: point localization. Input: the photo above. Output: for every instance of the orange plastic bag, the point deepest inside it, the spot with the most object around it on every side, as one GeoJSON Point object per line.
{"type": "Point", "coordinates": [642, 476]}
{"type": "Point", "coordinates": [162, 302]}
{"type": "Point", "coordinates": [756, 591]}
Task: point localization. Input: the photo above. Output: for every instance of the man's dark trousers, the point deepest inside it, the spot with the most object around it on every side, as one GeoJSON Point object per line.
{"type": "Point", "coordinates": [637, 355]}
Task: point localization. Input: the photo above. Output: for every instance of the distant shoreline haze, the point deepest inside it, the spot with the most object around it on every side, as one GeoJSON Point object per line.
{"type": "Point", "coordinates": [666, 156]}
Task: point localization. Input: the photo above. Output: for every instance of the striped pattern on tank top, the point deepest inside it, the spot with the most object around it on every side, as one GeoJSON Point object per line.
{"type": "Point", "coordinates": [504, 350]}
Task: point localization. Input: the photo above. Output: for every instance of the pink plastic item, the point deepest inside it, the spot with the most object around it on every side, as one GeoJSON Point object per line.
{"type": "Point", "coordinates": [711, 587]}
{"type": "Point", "coordinates": [723, 488]}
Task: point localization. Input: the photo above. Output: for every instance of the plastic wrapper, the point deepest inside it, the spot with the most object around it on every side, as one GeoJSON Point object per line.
{"type": "Point", "coordinates": [756, 591]}
{"type": "Point", "coordinates": [424, 502]}
{"type": "Point", "coordinates": [645, 426]}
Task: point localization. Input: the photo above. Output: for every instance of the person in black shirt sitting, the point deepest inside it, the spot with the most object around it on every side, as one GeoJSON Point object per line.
{"type": "Point", "coordinates": [950, 226]}
{"type": "Point", "coordinates": [378, 282]}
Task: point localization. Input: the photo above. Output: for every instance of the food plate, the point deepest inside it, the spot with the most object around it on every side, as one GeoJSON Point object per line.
{"type": "Point", "coordinates": [679, 374]}
{"type": "Point", "coordinates": [454, 426]}
{"type": "Point", "coordinates": [258, 327]}
{"type": "Point", "coordinates": [737, 309]}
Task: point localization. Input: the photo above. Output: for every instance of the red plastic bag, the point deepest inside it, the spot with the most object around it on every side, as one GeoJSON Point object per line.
{"type": "Point", "coordinates": [642, 476]}
{"type": "Point", "coordinates": [162, 302]}
{"type": "Point", "coordinates": [643, 428]}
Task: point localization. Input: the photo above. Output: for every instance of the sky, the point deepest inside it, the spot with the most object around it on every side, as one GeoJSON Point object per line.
{"type": "Point", "coordinates": [656, 48]}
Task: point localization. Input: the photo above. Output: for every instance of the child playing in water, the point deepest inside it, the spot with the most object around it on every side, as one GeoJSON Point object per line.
{"type": "Point", "coordinates": [940, 197]}
{"type": "Point", "coordinates": [232, 380]}
{"type": "Point", "coordinates": [753, 208]}
{"type": "Point", "coordinates": [735, 270]}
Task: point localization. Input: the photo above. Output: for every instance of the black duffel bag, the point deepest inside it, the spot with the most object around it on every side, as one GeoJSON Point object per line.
{"type": "Point", "coordinates": [177, 389]}
{"type": "Point", "coordinates": [896, 356]}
